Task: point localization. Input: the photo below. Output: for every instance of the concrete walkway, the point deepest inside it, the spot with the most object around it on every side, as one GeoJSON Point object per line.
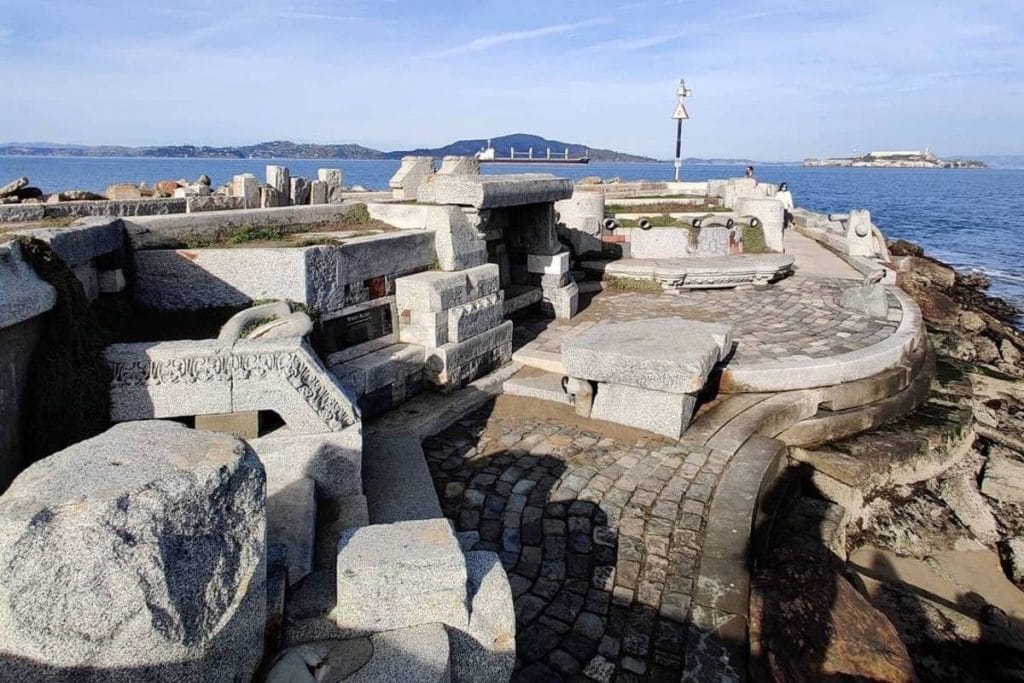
{"type": "Point", "coordinates": [814, 260]}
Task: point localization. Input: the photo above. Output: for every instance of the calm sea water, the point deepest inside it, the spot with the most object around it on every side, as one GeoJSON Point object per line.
{"type": "Point", "coordinates": [972, 219]}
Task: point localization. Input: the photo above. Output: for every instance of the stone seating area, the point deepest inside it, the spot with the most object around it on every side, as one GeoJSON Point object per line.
{"type": "Point", "coordinates": [645, 373]}
{"type": "Point", "coordinates": [697, 273]}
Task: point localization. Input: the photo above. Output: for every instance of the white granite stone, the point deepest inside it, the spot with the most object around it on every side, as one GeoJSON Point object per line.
{"type": "Point", "coordinates": [138, 554]}
{"type": "Point", "coordinates": [457, 244]}
{"type": "Point", "coordinates": [494, 191]}
{"type": "Point", "coordinates": [655, 411]}
{"type": "Point", "coordinates": [435, 290]}
{"type": "Point", "coordinates": [411, 174]}
{"type": "Point", "coordinates": [662, 354]}
{"type": "Point", "coordinates": [555, 264]}
{"type": "Point", "coordinates": [391, 576]}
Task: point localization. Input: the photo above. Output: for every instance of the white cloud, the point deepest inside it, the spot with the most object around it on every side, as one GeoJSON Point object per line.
{"type": "Point", "coordinates": [486, 42]}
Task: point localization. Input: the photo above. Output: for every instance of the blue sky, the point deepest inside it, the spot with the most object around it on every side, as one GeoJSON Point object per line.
{"type": "Point", "coordinates": [771, 79]}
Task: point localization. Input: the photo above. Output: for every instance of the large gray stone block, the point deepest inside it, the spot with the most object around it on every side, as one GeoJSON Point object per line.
{"type": "Point", "coordinates": [279, 178]}
{"type": "Point", "coordinates": [495, 191]}
{"type": "Point", "coordinates": [663, 354]}
{"type": "Point", "coordinates": [486, 650]}
{"type": "Point", "coordinates": [403, 574]}
{"type": "Point", "coordinates": [454, 364]}
{"type": "Point", "coordinates": [23, 294]}
{"type": "Point", "coordinates": [138, 555]}
{"type": "Point", "coordinates": [436, 290]}
{"type": "Point", "coordinates": [458, 245]}
{"type": "Point", "coordinates": [468, 320]}
{"type": "Point", "coordinates": [655, 411]}
{"type": "Point", "coordinates": [771, 214]}
{"type": "Point", "coordinates": [405, 184]}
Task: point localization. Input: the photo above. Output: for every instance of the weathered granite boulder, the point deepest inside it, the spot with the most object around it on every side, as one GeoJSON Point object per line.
{"type": "Point", "coordinates": [136, 555]}
{"type": "Point", "coordinates": [486, 650]}
{"type": "Point", "coordinates": [121, 191]}
{"type": "Point", "coordinates": [1003, 479]}
{"type": "Point", "coordinates": [166, 187]}
{"type": "Point", "coordinates": [13, 186]}
{"type": "Point", "coordinates": [815, 626]}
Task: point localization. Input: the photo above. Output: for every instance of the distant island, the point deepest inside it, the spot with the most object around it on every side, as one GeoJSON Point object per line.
{"type": "Point", "coordinates": [284, 149]}
{"type": "Point", "coordinates": [898, 159]}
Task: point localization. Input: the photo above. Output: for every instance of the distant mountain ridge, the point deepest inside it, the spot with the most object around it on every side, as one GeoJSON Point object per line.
{"type": "Point", "coordinates": [285, 149]}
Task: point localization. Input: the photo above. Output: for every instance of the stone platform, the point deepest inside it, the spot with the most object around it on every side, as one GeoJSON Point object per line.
{"type": "Point", "coordinates": [793, 335]}
{"type": "Point", "coordinates": [714, 272]}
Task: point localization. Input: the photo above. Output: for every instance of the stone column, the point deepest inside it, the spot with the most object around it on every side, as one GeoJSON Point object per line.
{"type": "Point", "coordinates": [771, 215]}
{"type": "Point", "coordinates": [279, 178]}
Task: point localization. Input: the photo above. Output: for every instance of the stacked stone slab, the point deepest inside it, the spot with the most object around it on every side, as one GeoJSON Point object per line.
{"type": "Point", "coordinates": [135, 555]}
{"type": "Point", "coordinates": [332, 178]}
{"type": "Point", "coordinates": [458, 318]}
{"type": "Point", "coordinates": [515, 215]}
{"type": "Point", "coordinates": [646, 373]}
{"type": "Point", "coordinates": [248, 188]}
{"type": "Point", "coordinates": [405, 184]}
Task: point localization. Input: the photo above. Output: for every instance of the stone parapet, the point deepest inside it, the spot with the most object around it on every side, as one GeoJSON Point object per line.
{"type": "Point", "coordinates": [498, 191]}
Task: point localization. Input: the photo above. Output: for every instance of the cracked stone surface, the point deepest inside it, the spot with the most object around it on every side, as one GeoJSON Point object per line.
{"type": "Point", "coordinates": [796, 319]}
{"type": "Point", "coordinates": [601, 537]}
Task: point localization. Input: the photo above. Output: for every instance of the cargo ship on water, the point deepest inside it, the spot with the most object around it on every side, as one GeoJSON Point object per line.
{"type": "Point", "coordinates": [489, 156]}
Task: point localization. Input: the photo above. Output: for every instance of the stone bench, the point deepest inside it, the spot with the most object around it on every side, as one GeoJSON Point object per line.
{"type": "Point", "coordinates": [646, 373]}
{"type": "Point", "coordinates": [699, 273]}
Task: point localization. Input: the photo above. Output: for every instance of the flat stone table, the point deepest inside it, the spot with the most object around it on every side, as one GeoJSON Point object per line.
{"type": "Point", "coordinates": [644, 373]}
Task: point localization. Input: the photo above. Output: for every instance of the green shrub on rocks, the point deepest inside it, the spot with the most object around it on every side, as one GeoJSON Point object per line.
{"type": "Point", "coordinates": [629, 284]}
{"type": "Point", "coordinates": [753, 240]}
{"type": "Point", "coordinates": [67, 397]}
{"type": "Point", "coordinates": [359, 214]}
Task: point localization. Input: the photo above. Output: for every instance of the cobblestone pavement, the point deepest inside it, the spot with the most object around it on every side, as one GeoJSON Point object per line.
{"type": "Point", "coordinates": [600, 536]}
{"type": "Point", "coordinates": [796, 319]}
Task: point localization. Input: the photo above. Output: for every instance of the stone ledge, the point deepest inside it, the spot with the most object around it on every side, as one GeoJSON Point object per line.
{"type": "Point", "coordinates": [821, 372]}
{"type": "Point", "coordinates": [699, 273]}
{"type": "Point", "coordinates": [497, 191]}
{"type": "Point", "coordinates": [24, 294]}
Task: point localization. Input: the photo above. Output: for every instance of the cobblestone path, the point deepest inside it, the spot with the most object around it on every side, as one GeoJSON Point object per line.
{"type": "Point", "coordinates": [601, 538]}
{"type": "Point", "coordinates": [796, 319]}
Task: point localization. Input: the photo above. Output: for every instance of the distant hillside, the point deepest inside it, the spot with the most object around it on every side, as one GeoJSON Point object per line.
{"type": "Point", "coordinates": [522, 142]}
{"type": "Point", "coordinates": [283, 149]}
{"type": "Point", "coordinates": [278, 149]}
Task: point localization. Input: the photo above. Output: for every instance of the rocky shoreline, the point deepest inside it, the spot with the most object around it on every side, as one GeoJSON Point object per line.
{"type": "Point", "coordinates": [901, 556]}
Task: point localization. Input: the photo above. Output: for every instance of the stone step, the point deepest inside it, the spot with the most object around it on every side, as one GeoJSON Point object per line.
{"type": "Point", "coordinates": [397, 480]}
{"type": "Point", "coordinates": [717, 642]}
{"type": "Point", "coordinates": [541, 360]}
{"type": "Point", "coordinates": [518, 297]}
{"type": "Point", "coordinates": [383, 379]}
{"type": "Point", "coordinates": [828, 426]}
{"type": "Point", "coordinates": [532, 383]}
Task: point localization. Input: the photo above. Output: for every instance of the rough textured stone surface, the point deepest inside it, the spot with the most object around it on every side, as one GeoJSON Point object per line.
{"type": "Point", "coordinates": [247, 187]}
{"type": "Point", "coordinates": [869, 300]}
{"type": "Point", "coordinates": [1003, 479]}
{"type": "Point", "coordinates": [663, 354]}
{"type": "Point", "coordinates": [493, 191]}
{"type": "Point", "coordinates": [579, 218]}
{"type": "Point", "coordinates": [402, 574]}
{"type": "Point", "coordinates": [138, 553]}
{"type": "Point", "coordinates": [486, 650]}
{"type": "Point", "coordinates": [318, 192]}
{"type": "Point", "coordinates": [299, 191]}
{"type": "Point", "coordinates": [406, 182]}
{"type": "Point", "coordinates": [22, 294]}
{"type": "Point", "coordinates": [457, 244]}
{"type": "Point", "coordinates": [438, 291]}
{"type": "Point", "coordinates": [654, 411]}
{"type": "Point", "coordinates": [816, 626]}
{"type": "Point", "coordinates": [418, 653]}
{"type": "Point", "coordinates": [279, 178]}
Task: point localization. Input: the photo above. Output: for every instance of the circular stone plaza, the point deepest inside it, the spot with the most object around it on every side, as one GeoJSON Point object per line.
{"type": "Point", "coordinates": [487, 427]}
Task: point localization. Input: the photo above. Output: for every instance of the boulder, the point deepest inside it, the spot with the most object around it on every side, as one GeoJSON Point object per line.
{"type": "Point", "coordinates": [13, 186]}
{"type": "Point", "coordinates": [120, 191]}
{"type": "Point", "coordinates": [138, 554]}
{"type": "Point", "coordinates": [971, 321]}
{"type": "Point", "coordinates": [1003, 478]}
{"type": "Point", "coordinates": [905, 248]}
{"type": "Point", "coordinates": [203, 180]}
{"type": "Point", "coordinates": [80, 195]}
{"type": "Point", "coordinates": [166, 187]}
{"type": "Point", "coordinates": [815, 626]}
{"type": "Point", "coordinates": [960, 493]}
{"type": "Point", "coordinates": [926, 268]}
{"type": "Point", "coordinates": [28, 193]}
{"type": "Point", "coordinates": [936, 308]}
{"type": "Point", "coordinates": [1010, 353]}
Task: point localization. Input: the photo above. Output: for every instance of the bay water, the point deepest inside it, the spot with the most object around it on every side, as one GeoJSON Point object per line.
{"type": "Point", "coordinates": [971, 219]}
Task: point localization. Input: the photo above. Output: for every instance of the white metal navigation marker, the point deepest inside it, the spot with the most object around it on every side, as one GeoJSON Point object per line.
{"type": "Point", "coordinates": [679, 114]}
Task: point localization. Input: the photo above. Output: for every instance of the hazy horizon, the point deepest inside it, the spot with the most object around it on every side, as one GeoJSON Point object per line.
{"type": "Point", "coordinates": [772, 79]}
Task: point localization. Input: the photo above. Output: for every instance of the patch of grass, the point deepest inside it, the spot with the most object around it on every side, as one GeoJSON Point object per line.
{"type": "Point", "coordinates": [252, 325]}
{"type": "Point", "coordinates": [753, 240]}
{"type": "Point", "coordinates": [359, 214]}
{"type": "Point", "coordinates": [662, 207]}
{"type": "Point", "coordinates": [630, 284]}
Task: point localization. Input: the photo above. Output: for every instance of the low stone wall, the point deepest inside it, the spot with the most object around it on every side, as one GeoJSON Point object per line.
{"type": "Point", "coordinates": [14, 213]}
{"type": "Point", "coordinates": [675, 242]}
{"type": "Point", "coordinates": [163, 232]}
{"type": "Point", "coordinates": [402, 216]}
